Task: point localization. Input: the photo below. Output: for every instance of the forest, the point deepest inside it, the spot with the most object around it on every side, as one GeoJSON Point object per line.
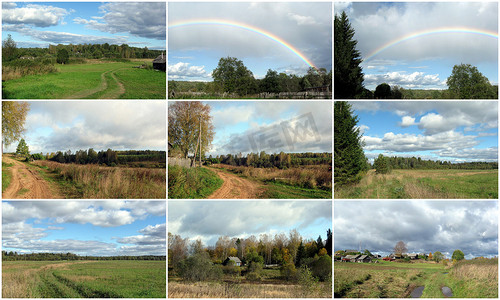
{"type": "Point", "coordinates": [279, 160]}
{"type": "Point", "coordinates": [408, 163]}
{"type": "Point", "coordinates": [14, 256]}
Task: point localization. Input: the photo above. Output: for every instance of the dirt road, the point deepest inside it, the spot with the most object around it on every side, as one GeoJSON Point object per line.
{"type": "Point", "coordinates": [26, 183]}
{"type": "Point", "coordinates": [235, 187]}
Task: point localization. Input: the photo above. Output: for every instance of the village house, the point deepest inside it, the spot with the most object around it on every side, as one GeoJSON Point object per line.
{"type": "Point", "coordinates": [236, 261]}
{"type": "Point", "coordinates": [351, 258]}
{"type": "Point", "coordinates": [160, 63]}
{"type": "Point", "coordinates": [364, 259]}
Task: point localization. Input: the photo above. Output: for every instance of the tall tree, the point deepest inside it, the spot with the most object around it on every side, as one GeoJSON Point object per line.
{"type": "Point", "coordinates": [184, 119]}
{"type": "Point", "coordinates": [381, 165]}
{"type": "Point", "coordinates": [62, 56]}
{"type": "Point", "coordinates": [9, 49]}
{"type": "Point", "coordinates": [349, 158]}
{"type": "Point", "coordinates": [466, 82]}
{"type": "Point", "coordinates": [383, 91]}
{"type": "Point", "coordinates": [458, 255]}
{"type": "Point", "coordinates": [328, 244]}
{"type": "Point", "coordinates": [13, 119]}
{"type": "Point", "coordinates": [231, 75]}
{"type": "Point", "coordinates": [22, 148]}
{"type": "Point", "coordinates": [348, 73]}
{"type": "Point", "coordinates": [438, 256]}
{"type": "Point", "coordinates": [400, 248]}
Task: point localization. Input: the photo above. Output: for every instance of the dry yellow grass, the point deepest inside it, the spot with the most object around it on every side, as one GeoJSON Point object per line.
{"type": "Point", "coordinates": [113, 182]}
{"type": "Point", "coordinates": [235, 290]}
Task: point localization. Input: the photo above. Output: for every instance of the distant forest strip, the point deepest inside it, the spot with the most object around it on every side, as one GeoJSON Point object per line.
{"type": "Point", "coordinates": [14, 256]}
{"type": "Point", "coordinates": [108, 157]}
{"type": "Point", "coordinates": [281, 160]}
{"type": "Point", "coordinates": [406, 163]}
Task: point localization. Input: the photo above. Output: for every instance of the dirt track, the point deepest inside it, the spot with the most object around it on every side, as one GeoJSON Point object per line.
{"type": "Point", "coordinates": [26, 183]}
{"type": "Point", "coordinates": [235, 187]}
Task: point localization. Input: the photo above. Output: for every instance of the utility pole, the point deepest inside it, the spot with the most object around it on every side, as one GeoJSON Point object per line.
{"type": "Point", "coordinates": [199, 138]}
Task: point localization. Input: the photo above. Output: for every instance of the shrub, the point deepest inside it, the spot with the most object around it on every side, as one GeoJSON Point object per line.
{"type": "Point", "coordinates": [62, 56]}
{"type": "Point", "coordinates": [322, 268]}
{"type": "Point", "coordinates": [288, 271]}
{"type": "Point", "coordinates": [199, 267]}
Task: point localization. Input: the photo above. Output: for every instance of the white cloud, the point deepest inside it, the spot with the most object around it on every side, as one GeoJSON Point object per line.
{"type": "Point", "coordinates": [302, 20]}
{"type": "Point", "coordinates": [33, 14]}
{"type": "Point", "coordinates": [413, 80]}
{"type": "Point", "coordinates": [182, 70]}
{"type": "Point", "coordinates": [407, 121]}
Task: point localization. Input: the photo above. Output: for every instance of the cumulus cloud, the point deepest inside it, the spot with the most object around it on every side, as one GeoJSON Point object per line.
{"type": "Point", "coordinates": [302, 20]}
{"type": "Point", "coordinates": [100, 125]}
{"type": "Point", "coordinates": [425, 226]}
{"type": "Point", "coordinates": [183, 70]}
{"type": "Point", "coordinates": [33, 14]}
{"type": "Point", "coordinates": [413, 80]}
{"type": "Point", "coordinates": [151, 235]}
{"type": "Point", "coordinates": [245, 218]}
{"type": "Point", "coordinates": [142, 19]}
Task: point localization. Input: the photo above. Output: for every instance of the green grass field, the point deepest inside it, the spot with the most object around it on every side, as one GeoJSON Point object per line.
{"type": "Point", "coordinates": [424, 184]}
{"type": "Point", "coordinates": [194, 183]}
{"type": "Point", "coordinates": [90, 81]}
{"type": "Point", "coordinates": [84, 279]}
{"type": "Point", "coordinates": [276, 190]}
{"type": "Point", "coordinates": [468, 279]}
{"type": "Point", "coordinates": [6, 175]}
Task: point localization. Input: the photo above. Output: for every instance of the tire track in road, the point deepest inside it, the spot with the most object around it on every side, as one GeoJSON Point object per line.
{"type": "Point", "coordinates": [85, 93]}
{"type": "Point", "coordinates": [235, 187]}
{"type": "Point", "coordinates": [114, 94]}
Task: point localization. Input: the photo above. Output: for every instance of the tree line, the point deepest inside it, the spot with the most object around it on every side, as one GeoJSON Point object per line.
{"type": "Point", "coordinates": [14, 256]}
{"type": "Point", "coordinates": [280, 160]}
{"type": "Point", "coordinates": [406, 163]}
{"type": "Point", "coordinates": [232, 76]}
{"type": "Point", "coordinates": [194, 261]}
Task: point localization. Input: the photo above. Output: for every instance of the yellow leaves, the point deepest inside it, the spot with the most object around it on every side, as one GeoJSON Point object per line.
{"type": "Point", "coordinates": [13, 119]}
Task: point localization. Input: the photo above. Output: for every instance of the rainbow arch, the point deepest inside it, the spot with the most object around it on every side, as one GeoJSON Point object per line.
{"type": "Point", "coordinates": [244, 27]}
{"type": "Point", "coordinates": [427, 32]}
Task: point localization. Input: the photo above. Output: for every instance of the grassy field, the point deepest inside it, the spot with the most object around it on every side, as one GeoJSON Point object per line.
{"type": "Point", "coordinates": [94, 182]}
{"type": "Point", "coordinates": [184, 183]}
{"type": "Point", "coordinates": [270, 286]}
{"type": "Point", "coordinates": [6, 175]}
{"type": "Point", "coordinates": [84, 279]}
{"type": "Point", "coordinates": [90, 81]}
{"type": "Point", "coordinates": [424, 184]}
{"type": "Point", "coordinates": [304, 182]}
{"type": "Point", "coordinates": [469, 279]}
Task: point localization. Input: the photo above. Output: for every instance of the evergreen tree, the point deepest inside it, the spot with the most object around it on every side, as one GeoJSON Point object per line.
{"type": "Point", "coordinates": [328, 243]}
{"type": "Point", "coordinates": [347, 60]}
{"type": "Point", "coordinates": [349, 158]}
{"type": "Point", "coordinates": [381, 165]}
{"type": "Point", "coordinates": [22, 148]}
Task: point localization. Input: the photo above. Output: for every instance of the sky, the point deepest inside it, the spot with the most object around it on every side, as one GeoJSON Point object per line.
{"type": "Point", "coordinates": [271, 126]}
{"type": "Point", "coordinates": [209, 220]}
{"type": "Point", "coordinates": [424, 226]}
{"type": "Point", "coordinates": [100, 228]}
{"type": "Point", "coordinates": [456, 131]}
{"type": "Point", "coordinates": [424, 62]}
{"type": "Point", "coordinates": [195, 50]}
{"type": "Point", "coordinates": [53, 126]}
{"type": "Point", "coordinates": [38, 24]}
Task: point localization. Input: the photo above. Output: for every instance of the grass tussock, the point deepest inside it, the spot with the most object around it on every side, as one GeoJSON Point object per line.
{"type": "Point", "coordinates": [14, 72]}
{"type": "Point", "coordinates": [477, 278]}
{"type": "Point", "coordinates": [306, 176]}
{"type": "Point", "coordinates": [191, 183]}
{"type": "Point", "coordinates": [94, 181]}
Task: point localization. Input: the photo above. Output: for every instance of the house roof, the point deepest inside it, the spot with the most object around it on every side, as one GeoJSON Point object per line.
{"type": "Point", "coordinates": [234, 258]}
{"type": "Point", "coordinates": [352, 256]}
{"type": "Point", "coordinates": [161, 59]}
{"type": "Point", "coordinates": [363, 257]}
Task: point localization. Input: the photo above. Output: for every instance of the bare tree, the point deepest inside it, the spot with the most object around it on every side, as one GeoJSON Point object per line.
{"type": "Point", "coordinates": [400, 248]}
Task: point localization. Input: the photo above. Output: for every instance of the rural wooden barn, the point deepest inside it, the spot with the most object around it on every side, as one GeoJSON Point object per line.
{"type": "Point", "coordinates": [351, 258]}
{"type": "Point", "coordinates": [160, 63]}
{"type": "Point", "coordinates": [364, 259]}
{"type": "Point", "coordinates": [236, 260]}
{"type": "Point", "coordinates": [413, 256]}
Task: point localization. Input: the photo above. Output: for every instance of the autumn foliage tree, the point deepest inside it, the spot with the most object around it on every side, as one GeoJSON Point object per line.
{"type": "Point", "coordinates": [400, 248]}
{"type": "Point", "coordinates": [184, 118]}
{"type": "Point", "coordinates": [13, 119]}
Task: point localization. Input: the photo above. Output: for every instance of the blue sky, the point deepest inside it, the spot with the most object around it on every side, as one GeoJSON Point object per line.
{"type": "Point", "coordinates": [101, 228]}
{"type": "Point", "coordinates": [194, 51]}
{"type": "Point", "coordinates": [424, 62]}
{"type": "Point", "coordinates": [424, 226]}
{"type": "Point", "coordinates": [38, 24]}
{"type": "Point", "coordinates": [255, 126]}
{"type": "Point", "coordinates": [455, 131]}
{"type": "Point", "coordinates": [209, 220]}
{"type": "Point", "coordinates": [53, 126]}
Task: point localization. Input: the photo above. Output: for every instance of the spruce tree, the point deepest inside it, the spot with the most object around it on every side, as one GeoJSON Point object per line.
{"type": "Point", "coordinates": [349, 158]}
{"type": "Point", "coordinates": [347, 60]}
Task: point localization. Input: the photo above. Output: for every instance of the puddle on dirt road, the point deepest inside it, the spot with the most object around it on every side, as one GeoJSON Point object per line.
{"type": "Point", "coordinates": [446, 291]}
{"type": "Point", "coordinates": [417, 292]}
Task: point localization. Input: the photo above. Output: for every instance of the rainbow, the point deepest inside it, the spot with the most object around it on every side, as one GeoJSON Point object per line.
{"type": "Point", "coordinates": [245, 27]}
{"type": "Point", "coordinates": [431, 32]}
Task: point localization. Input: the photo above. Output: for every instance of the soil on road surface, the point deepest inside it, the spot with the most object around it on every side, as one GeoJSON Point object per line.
{"type": "Point", "coordinates": [235, 187]}
{"type": "Point", "coordinates": [26, 183]}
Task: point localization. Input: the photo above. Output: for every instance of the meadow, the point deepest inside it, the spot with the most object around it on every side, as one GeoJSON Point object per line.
{"type": "Point", "coordinates": [95, 181]}
{"type": "Point", "coordinates": [424, 184]}
{"type": "Point", "coordinates": [191, 183]}
{"type": "Point", "coordinates": [95, 79]}
{"type": "Point", "coordinates": [83, 279]}
{"type": "Point", "coordinates": [476, 278]}
{"type": "Point", "coordinates": [270, 285]}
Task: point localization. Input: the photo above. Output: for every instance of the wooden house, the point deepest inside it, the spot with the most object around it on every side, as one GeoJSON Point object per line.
{"type": "Point", "coordinates": [236, 261]}
{"type": "Point", "coordinates": [364, 259]}
{"type": "Point", "coordinates": [160, 63]}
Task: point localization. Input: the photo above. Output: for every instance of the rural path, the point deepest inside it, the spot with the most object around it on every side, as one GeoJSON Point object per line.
{"type": "Point", "coordinates": [104, 86]}
{"type": "Point", "coordinates": [26, 183]}
{"type": "Point", "coordinates": [235, 187]}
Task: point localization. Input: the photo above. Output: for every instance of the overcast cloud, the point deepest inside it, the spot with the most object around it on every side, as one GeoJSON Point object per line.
{"type": "Point", "coordinates": [79, 125]}
{"type": "Point", "coordinates": [209, 220]}
{"type": "Point", "coordinates": [30, 226]}
{"type": "Point", "coordinates": [425, 226]}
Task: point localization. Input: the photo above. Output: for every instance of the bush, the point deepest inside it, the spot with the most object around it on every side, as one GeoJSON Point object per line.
{"type": "Point", "coordinates": [199, 267]}
{"type": "Point", "coordinates": [322, 268]}
{"type": "Point", "coordinates": [62, 56]}
{"type": "Point", "coordinates": [288, 271]}
{"type": "Point", "coordinates": [37, 156]}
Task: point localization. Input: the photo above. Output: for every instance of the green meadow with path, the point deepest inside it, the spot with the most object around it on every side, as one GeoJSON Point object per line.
{"type": "Point", "coordinates": [103, 80]}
